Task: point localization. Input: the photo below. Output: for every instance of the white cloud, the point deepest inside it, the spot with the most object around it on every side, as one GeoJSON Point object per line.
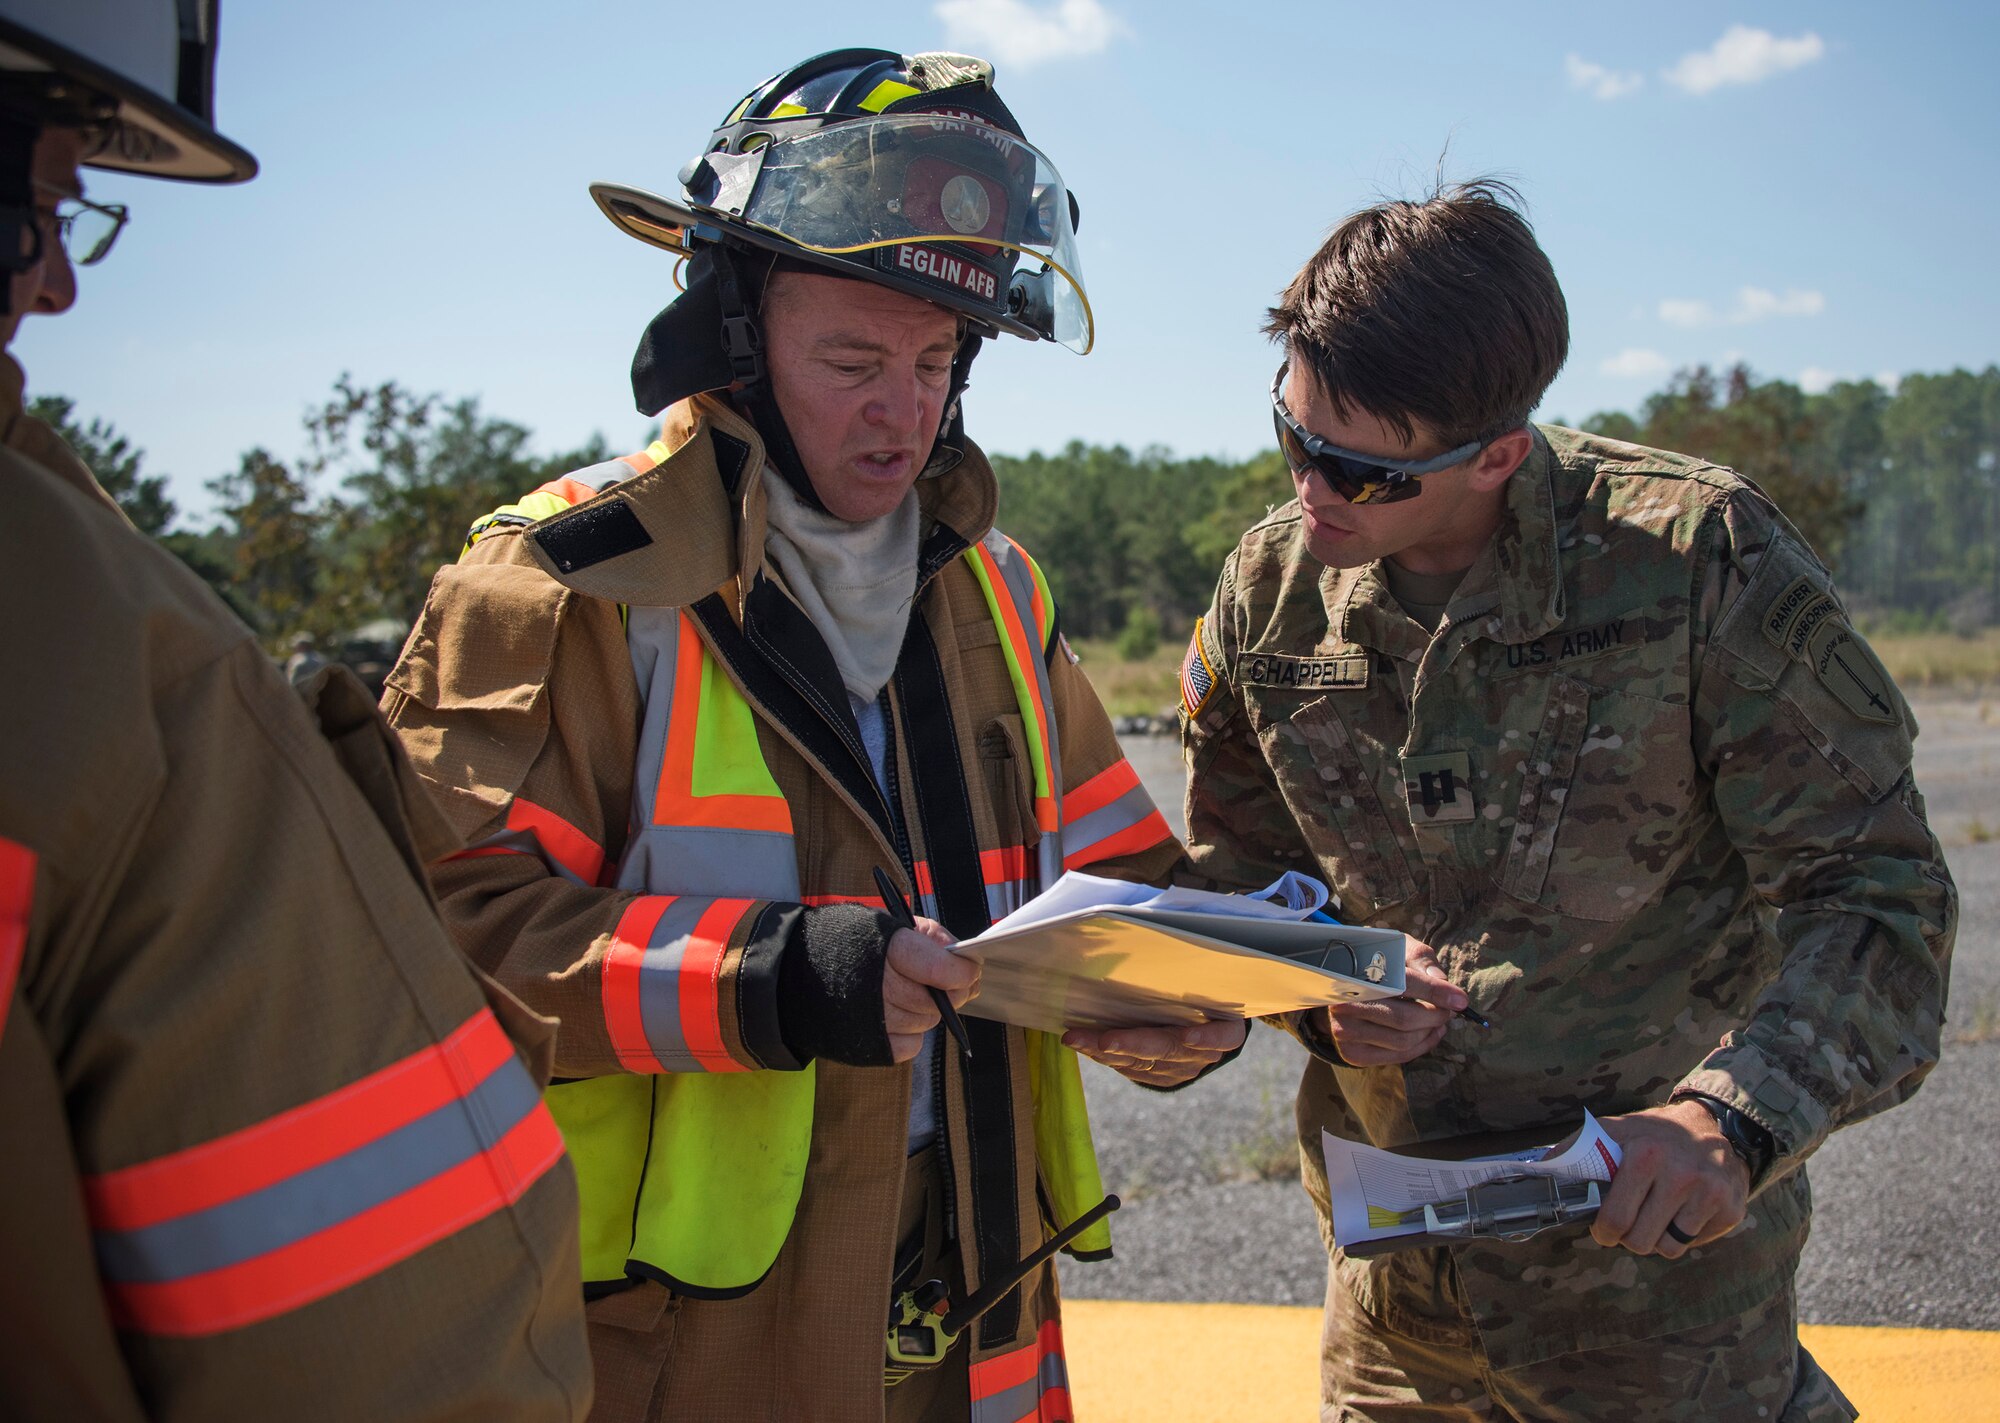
{"type": "Point", "coordinates": [1752, 304]}
{"type": "Point", "coordinates": [1888, 380]}
{"type": "Point", "coordinates": [1743, 56]}
{"type": "Point", "coordinates": [1601, 82]}
{"type": "Point", "coordinates": [1679, 312]}
{"type": "Point", "coordinates": [1017, 33]}
{"type": "Point", "coordinates": [1635, 363]}
{"type": "Point", "coordinates": [1814, 380]}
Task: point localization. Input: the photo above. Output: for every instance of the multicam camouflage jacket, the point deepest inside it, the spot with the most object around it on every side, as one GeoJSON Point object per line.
{"type": "Point", "coordinates": [1647, 793]}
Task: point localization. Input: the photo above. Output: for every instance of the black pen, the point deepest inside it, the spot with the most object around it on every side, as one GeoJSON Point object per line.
{"type": "Point", "coordinates": [899, 910]}
{"type": "Point", "coordinates": [1472, 1017]}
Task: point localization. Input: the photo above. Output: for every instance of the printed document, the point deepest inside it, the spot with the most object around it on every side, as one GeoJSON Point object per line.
{"type": "Point", "coordinates": [1379, 1194]}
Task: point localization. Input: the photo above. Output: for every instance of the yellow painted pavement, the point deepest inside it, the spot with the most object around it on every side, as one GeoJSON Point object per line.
{"type": "Point", "coordinates": [1221, 1363]}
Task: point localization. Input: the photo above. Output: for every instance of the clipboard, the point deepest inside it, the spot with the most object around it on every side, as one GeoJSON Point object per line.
{"type": "Point", "coordinates": [1508, 1210]}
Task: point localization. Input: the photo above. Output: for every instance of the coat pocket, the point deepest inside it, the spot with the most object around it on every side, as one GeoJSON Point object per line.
{"type": "Point", "coordinates": [1607, 805]}
{"type": "Point", "coordinates": [1009, 780]}
{"type": "Point", "coordinates": [1332, 799]}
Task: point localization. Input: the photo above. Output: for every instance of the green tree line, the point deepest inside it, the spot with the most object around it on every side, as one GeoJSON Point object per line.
{"type": "Point", "coordinates": [1898, 490]}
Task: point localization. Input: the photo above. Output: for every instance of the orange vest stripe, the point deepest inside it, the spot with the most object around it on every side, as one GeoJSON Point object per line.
{"type": "Point", "coordinates": [674, 800]}
{"type": "Point", "coordinates": [1024, 655]}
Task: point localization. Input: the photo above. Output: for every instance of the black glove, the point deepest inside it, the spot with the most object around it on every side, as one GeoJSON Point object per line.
{"type": "Point", "coordinates": [830, 985]}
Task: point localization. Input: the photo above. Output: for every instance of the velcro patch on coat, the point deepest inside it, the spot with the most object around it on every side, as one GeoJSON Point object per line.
{"type": "Point", "coordinates": [1304, 674]}
{"type": "Point", "coordinates": [591, 535]}
{"type": "Point", "coordinates": [1569, 644]}
{"type": "Point", "coordinates": [1197, 675]}
{"type": "Point", "coordinates": [1797, 615]}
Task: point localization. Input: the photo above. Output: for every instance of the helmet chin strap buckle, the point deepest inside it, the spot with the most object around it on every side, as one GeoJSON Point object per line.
{"type": "Point", "coordinates": [744, 347]}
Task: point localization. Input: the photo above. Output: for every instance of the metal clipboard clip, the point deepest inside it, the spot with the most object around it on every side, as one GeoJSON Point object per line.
{"type": "Point", "coordinates": [1512, 1208]}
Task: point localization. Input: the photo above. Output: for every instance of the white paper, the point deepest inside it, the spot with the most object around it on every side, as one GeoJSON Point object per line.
{"type": "Point", "coordinates": [1292, 896]}
{"type": "Point", "coordinates": [1379, 1194]}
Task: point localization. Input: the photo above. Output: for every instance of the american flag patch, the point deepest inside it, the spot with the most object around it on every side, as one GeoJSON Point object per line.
{"type": "Point", "coordinates": [1197, 677]}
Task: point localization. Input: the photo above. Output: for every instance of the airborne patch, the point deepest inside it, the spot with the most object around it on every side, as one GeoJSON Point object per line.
{"type": "Point", "coordinates": [1569, 644]}
{"type": "Point", "coordinates": [1304, 674]}
{"type": "Point", "coordinates": [1197, 677]}
{"type": "Point", "coordinates": [1797, 614]}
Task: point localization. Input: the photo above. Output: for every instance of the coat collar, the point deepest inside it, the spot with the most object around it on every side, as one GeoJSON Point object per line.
{"type": "Point", "coordinates": [702, 513]}
{"type": "Point", "coordinates": [1518, 576]}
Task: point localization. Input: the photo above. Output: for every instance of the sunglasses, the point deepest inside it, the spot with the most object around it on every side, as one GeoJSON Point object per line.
{"type": "Point", "coordinates": [1355, 477]}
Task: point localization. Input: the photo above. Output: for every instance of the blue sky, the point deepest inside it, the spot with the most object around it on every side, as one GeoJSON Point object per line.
{"type": "Point", "coordinates": [1808, 188]}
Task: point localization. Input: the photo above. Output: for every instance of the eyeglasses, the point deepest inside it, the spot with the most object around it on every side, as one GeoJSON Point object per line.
{"type": "Point", "coordinates": [1355, 477]}
{"type": "Point", "coordinates": [86, 229]}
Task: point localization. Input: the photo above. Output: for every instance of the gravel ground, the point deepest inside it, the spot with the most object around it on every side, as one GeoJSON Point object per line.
{"type": "Point", "coordinates": [1906, 1229]}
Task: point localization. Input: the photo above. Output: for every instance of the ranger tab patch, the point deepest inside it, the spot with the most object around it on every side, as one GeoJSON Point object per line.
{"type": "Point", "coordinates": [1303, 674]}
{"type": "Point", "coordinates": [1797, 614]}
{"type": "Point", "coordinates": [1197, 677]}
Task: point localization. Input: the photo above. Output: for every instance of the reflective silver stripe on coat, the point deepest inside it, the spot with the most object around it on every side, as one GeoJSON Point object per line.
{"type": "Point", "coordinates": [1022, 1403]}
{"type": "Point", "coordinates": [1087, 832]}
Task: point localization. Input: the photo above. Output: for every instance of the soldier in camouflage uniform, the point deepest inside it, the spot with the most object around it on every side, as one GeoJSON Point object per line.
{"type": "Point", "coordinates": [1590, 724]}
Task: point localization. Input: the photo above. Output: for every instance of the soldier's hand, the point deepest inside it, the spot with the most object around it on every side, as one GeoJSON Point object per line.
{"type": "Point", "coordinates": [1163, 1056]}
{"type": "Point", "coordinates": [920, 959]}
{"type": "Point", "coordinates": [1390, 1031]}
{"type": "Point", "coordinates": [1678, 1170]}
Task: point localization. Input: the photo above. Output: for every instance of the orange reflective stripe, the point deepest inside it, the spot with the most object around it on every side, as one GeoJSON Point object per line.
{"type": "Point", "coordinates": [1024, 655]}
{"type": "Point", "coordinates": [561, 841]}
{"type": "Point", "coordinates": [17, 900]}
{"type": "Point", "coordinates": [700, 981]}
{"type": "Point", "coordinates": [1133, 838]}
{"type": "Point", "coordinates": [624, 1018]}
{"type": "Point", "coordinates": [1028, 1385]}
{"type": "Point", "coordinates": [1004, 866]}
{"type": "Point", "coordinates": [1099, 791]}
{"type": "Point", "coordinates": [674, 801]}
{"type": "Point", "coordinates": [290, 1210]}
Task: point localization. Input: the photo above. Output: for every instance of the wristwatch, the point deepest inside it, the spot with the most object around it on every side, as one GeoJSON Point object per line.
{"type": "Point", "coordinates": [1745, 1136]}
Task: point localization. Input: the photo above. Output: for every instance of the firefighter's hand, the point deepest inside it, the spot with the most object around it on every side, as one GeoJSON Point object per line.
{"type": "Point", "coordinates": [1389, 1031]}
{"type": "Point", "coordinates": [1160, 1057]}
{"type": "Point", "coordinates": [1678, 1170]}
{"type": "Point", "coordinates": [920, 959]}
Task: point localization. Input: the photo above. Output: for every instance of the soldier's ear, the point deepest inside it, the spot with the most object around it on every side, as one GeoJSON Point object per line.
{"type": "Point", "coordinates": [1492, 465]}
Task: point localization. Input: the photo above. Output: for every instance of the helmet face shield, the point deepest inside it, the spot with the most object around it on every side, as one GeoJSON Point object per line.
{"type": "Point", "coordinates": [938, 202]}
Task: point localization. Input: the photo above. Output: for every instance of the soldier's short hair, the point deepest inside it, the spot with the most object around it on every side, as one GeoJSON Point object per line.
{"type": "Point", "coordinates": [1443, 312]}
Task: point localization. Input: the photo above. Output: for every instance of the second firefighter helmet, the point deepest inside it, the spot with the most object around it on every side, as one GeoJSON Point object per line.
{"type": "Point", "coordinates": [907, 171]}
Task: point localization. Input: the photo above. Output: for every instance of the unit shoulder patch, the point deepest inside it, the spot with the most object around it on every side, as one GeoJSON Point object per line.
{"type": "Point", "coordinates": [1847, 667]}
{"type": "Point", "coordinates": [1342, 671]}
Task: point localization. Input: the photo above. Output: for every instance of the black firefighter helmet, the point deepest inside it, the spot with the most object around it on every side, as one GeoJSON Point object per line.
{"type": "Point", "coordinates": [905, 171]}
